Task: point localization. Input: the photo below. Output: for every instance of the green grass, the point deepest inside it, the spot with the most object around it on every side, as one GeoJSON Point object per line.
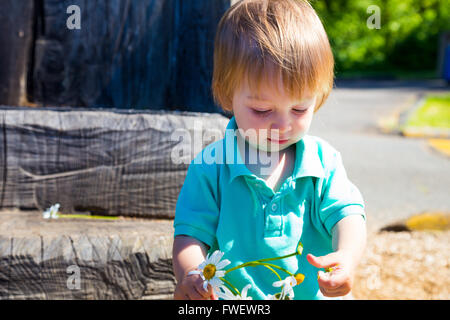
{"type": "Point", "coordinates": [434, 112]}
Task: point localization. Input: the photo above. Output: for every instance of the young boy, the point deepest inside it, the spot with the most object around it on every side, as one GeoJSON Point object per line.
{"type": "Point", "coordinates": [273, 69]}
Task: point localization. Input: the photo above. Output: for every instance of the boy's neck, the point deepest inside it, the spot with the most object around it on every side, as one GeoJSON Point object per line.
{"type": "Point", "coordinates": [260, 162]}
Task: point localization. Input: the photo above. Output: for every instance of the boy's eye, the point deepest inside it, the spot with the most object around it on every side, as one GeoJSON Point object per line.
{"type": "Point", "coordinates": [260, 112]}
{"type": "Point", "coordinates": [265, 112]}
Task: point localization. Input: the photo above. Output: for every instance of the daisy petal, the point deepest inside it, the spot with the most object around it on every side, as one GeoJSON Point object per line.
{"type": "Point", "coordinates": [293, 281]}
{"type": "Point", "coordinates": [225, 293]}
{"type": "Point", "coordinates": [220, 274]}
{"type": "Point", "coordinates": [194, 272]}
{"type": "Point", "coordinates": [212, 257]}
{"type": "Point", "coordinates": [208, 256]}
{"type": "Point", "coordinates": [217, 255]}
{"type": "Point", "coordinates": [278, 283]}
{"type": "Point", "coordinates": [222, 264]}
{"type": "Point", "coordinates": [215, 282]}
{"type": "Point", "coordinates": [245, 289]}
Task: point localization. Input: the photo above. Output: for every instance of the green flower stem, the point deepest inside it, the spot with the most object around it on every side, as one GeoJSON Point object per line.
{"type": "Point", "coordinates": [278, 258]}
{"type": "Point", "coordinates": [240, 266]}
{"type": "Point", "coordinates": [270, 268]}
{"type": "Point", "coordinates": [230, 286]}
{"type": "Point", "coordinates": [84, 216]}
{"type": "Point", "coordinates": [277, 267]}
{"type": "Point", "coordinates": [263, 262]}
{"type": "Point", "coordinates": [258, 262]}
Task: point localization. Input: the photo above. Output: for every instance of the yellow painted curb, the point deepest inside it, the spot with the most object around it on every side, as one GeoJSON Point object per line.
{"type": "Point", "coordinates": [390, 123]}
{"type": "Point", "coordinates": [425, 132]}
{"type": "Point", "coordinates": [441, 145]}
{"type": "Point", "coordinates": [429, 221]}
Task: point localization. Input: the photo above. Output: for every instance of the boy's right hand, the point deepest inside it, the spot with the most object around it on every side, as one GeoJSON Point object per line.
{"type": "Point", "coordinates": [191, 288]}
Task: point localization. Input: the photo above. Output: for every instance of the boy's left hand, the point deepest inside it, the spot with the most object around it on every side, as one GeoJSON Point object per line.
{"type": "Point", "coordinates": [339, 281]}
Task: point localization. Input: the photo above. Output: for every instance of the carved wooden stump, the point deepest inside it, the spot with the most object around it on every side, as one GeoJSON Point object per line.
{"type": "Point", "coordinates": [64, 258]}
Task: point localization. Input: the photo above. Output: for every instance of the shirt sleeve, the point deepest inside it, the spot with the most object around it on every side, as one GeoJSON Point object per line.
{"type": "Point", "coordinates": [340, 198]}
{"type": "Point", "coordinates": [197, 211]}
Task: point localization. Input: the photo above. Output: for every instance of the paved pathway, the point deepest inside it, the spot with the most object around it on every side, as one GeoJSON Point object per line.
{"type": "Point", "coordinates": [398, 176]}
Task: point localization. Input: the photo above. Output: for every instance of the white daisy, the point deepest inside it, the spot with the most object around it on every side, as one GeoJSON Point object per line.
{"type": "Point", "coordinates": [52, 212]}
{"type": "Point", "coordinates": [225, 293]}
{"type": "Point", "coordinates": [210, 269]}
{"type": "Point", "coordinates": [286, 287]}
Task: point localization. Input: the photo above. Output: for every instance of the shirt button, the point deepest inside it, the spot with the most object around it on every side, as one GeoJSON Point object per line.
{"type": "Point", "coordinates": [274, 207]}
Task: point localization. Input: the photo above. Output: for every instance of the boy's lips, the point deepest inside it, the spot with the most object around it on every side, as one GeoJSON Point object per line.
{"type": "Point", "coordinates": [280, 141]}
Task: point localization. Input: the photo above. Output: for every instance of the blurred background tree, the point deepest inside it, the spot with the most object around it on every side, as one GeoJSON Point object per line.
{"type": "Point", "coordinates": [406, 43]}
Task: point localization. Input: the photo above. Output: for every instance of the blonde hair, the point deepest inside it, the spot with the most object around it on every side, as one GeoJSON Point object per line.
{"type": "Point", "coordinates": [255, 37]}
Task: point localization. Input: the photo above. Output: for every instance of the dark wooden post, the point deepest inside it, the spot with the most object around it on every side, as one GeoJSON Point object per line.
{"type": "Point", "coordinates": [16, 40]}
{"type": "Point", "coordinates": [128, 54]}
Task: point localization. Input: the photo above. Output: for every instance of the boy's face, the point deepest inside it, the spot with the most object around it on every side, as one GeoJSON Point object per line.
{"type": "Point", "coordinates": [277, 120]}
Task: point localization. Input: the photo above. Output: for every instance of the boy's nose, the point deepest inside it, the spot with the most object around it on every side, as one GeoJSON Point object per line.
{"type": "Point", "coordinates": [281, 134]}
{"type": "Point", "coordinates": [282, 128]}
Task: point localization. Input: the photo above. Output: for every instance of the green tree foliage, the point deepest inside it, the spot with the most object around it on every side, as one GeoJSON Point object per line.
{"type": "Point", "coordinates": [408, 37]}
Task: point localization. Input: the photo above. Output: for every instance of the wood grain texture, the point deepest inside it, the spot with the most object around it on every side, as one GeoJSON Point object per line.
{"type": "Point", "coordinates": [122, 259]}
{"type": "Point", "coordinates": [115, 163]}
{"type": "Point", "coordinates": [142, 54]}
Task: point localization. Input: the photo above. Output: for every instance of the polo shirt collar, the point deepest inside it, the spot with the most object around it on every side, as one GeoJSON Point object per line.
{"type": "Point", "coordinates": [233, 155]}
{"type": "Point", "coordinates": [307, 160]}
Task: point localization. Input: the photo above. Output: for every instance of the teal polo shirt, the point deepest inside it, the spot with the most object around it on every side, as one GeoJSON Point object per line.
{"type": "Point", "coordinates": [227, 207]}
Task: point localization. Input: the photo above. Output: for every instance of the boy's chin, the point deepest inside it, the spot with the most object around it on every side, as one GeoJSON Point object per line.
{"type": "Point", "coordinates": [270, 146]}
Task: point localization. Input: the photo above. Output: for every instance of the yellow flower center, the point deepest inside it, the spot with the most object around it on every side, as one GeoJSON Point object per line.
{"type": "Point", "coordinates": [209, 271]}
{"type": "Point", "coordinates": [299, 278]}
{"type": "Point", "coordinates": [331, 269]}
